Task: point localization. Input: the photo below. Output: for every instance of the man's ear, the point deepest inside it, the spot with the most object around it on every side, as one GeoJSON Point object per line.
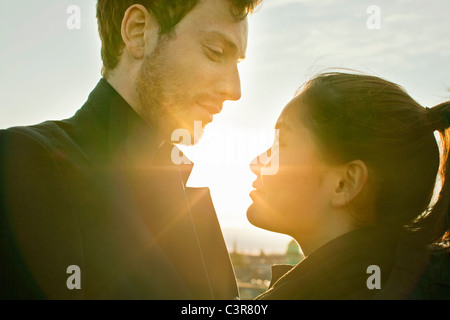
{"type": "Point", "coordinates": [349, 183]}
{"type": "Point", "coordinates": [139, 31]}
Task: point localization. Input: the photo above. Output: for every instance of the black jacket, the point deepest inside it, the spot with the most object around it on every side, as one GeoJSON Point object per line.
{"type": "Point", "coordinates": [99, 191]}
{"type": "Point", "coordinates": [340, 270]}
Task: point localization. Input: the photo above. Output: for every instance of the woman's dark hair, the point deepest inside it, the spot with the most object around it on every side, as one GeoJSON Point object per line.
{"type": "Point", "coordinates": [168, 13]}
{"type": "Point", "coordinates": [362, 117]}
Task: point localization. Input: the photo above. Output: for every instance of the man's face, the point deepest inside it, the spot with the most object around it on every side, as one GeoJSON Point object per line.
{"type": "Point", "coordinates": [191, 73]}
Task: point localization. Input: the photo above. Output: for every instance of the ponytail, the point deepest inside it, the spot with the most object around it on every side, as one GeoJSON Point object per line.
{"type": "Point", "coordinates": [436, 223]}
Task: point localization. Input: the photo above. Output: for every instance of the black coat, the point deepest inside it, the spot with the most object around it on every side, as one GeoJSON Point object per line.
{"type": "Point", "coordinates": [100, 191]}
{"type": "Point", "coordinates": [340, 270]}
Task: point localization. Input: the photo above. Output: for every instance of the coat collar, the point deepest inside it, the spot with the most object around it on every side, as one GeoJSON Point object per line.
{"type": "Point", "coordinates": [122, 137]}
{"type": "Point", "coordinates": [333, 251]}
{"type": "Point", "coordinates": [342, 259]}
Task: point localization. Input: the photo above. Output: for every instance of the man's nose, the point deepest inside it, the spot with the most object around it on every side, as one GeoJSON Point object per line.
{"type": "Point", "coordinates": [231, 85]}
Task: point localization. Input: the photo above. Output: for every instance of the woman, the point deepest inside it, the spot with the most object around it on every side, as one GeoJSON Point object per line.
{"type": "Point", "coordinates": [358, 164]}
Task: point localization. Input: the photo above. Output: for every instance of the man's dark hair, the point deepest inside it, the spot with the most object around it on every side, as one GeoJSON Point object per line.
{"type": "Point", "coordinates": [110, 14]}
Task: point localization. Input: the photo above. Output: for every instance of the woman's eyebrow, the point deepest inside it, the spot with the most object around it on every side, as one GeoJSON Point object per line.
{"type": "Point", "coordinates": [282, 125]}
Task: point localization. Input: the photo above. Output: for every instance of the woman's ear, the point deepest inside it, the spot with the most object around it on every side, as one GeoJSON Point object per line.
{"type": "Point", "coordinates": [139, 31]}
{"type": "Point", "coordinates": [349, 183]}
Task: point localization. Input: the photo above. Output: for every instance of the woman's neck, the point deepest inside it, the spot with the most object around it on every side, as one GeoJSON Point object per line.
{"type": "Point", "coordinates": [314, 239]}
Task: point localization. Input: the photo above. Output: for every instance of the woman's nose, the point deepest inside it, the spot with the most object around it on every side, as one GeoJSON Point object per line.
{"type": "Point", "coordinates": [258, 163]}
{"type": "Point", "coordinates": [267, 163]}
{"type": "Point", "coordinates": [256, 166]}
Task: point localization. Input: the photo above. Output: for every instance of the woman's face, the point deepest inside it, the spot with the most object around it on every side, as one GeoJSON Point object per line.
{"type": "Point", "coordinates": [296, 197]}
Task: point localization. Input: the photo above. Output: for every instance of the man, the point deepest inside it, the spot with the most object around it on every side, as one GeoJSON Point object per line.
{"type": "Point", "coordinates": [93, 207]}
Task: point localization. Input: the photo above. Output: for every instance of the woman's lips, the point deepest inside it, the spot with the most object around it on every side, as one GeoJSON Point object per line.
{"type": "Point", "coordinates": [257, 194]}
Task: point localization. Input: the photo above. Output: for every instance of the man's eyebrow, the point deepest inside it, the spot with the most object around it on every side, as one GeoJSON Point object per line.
{"type": "Point", "coordinates": [224, 38]}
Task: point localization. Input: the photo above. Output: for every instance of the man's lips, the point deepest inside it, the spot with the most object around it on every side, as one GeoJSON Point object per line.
{"type": "Point", "coordinates": [209, 110]}
{"type": "Point", "coordinates": [208, 116]}
{"type": "Point", "coordinates": [212, 109]}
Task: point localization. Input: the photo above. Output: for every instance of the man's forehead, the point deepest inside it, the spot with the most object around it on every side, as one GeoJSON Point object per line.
{"type": "Point", "coordinates": [217, 15]}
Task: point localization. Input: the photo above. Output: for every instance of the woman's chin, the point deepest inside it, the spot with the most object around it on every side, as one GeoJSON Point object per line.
{"type": "Point", "coordinates": [258, 217]}
{"type": "Point", "coordinates": [252, 213]}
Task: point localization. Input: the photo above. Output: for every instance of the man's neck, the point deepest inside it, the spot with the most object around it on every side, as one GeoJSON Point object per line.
{"type": "Point", "coordinates": [125, 88]}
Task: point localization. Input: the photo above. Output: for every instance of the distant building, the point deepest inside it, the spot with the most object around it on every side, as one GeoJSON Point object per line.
{"type": "Point", "coordinates": [253, 272]}
{"type": "Point", "coordinates": [293, 255]}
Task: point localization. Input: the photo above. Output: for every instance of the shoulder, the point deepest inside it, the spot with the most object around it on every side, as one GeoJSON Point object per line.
{"type": "Point", "coordinates": [435, 281]}
{"type": "Point", "coordinates": [36, 211]}
{"type": "Point", "coordinates": [51, 142]}
{"type": "Point", "coordinates": [23, 149]}
{"type": "Point", "coordinates": [34, 163]}
{"type": "Point", "coordinates": [33, 173]}
{"type": "Point", "coordinates": [44, 136]}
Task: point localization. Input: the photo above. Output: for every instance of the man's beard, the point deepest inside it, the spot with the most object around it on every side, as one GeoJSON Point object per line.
{"type": "Point", "coordinates": [162, 109]}
{"type": "Point", "coordinates": [149, 88]}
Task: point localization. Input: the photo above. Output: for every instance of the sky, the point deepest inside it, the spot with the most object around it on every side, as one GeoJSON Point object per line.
{"type": "Point", "coordinates": [48, 68]}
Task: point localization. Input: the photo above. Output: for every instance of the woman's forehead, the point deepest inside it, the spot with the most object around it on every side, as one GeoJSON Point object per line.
{"type": "Point", "coordinates": [289, 117]}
